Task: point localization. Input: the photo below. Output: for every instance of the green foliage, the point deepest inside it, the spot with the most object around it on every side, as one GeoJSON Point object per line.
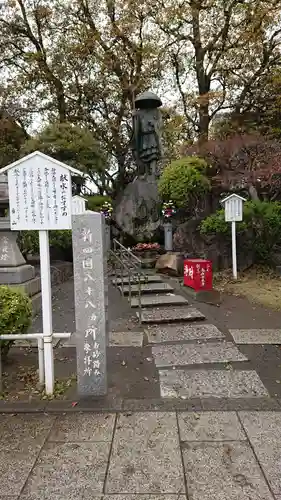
{"type": "Point", "coordinates": [96, 202]}
{"type": "Point", "coordinates": [11, 139]}
{"type": "Point", "coordinates": [15, 314]}
{"type": "Point", "coordinates": [70, 144]}
{"type": "Point", "coordinates": [29, 241]}
{"type": "Point", "coordinates": [262, 218]}
{"type": "Point", "coordinates": [184, 179]}
{"type": "Point", "coordinates": [215, 224]}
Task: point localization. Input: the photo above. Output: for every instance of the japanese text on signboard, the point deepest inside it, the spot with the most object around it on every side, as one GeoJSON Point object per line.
{"type": "Point", "coordinates": [40, 196]}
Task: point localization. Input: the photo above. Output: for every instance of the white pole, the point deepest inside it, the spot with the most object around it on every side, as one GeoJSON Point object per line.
{"type": "Point", "coordinates": [41, 362]}
{"type": "Point", "coordinates": [234, 255]}
{"type": "Point", "coordinates": [47, 310]}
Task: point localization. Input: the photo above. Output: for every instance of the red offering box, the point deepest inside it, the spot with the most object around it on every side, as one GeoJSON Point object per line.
{"type": "Point", "coordinates": [198, 274]}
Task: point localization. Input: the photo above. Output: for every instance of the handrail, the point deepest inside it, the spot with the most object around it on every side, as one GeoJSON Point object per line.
{"type": "Point", "coordinates": [116, 242]}
{"type": "Point", "coordinates": [133, 265]}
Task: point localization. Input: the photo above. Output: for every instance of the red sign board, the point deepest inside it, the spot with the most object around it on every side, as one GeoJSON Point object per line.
{"type": "Point", "coordinates": [198, 274]}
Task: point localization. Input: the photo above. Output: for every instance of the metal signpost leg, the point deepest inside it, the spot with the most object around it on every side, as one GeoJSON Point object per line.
{"type": "Point", "coordinates": [234, 254]}
{"type": "Point", "coordinates": [47, 310]}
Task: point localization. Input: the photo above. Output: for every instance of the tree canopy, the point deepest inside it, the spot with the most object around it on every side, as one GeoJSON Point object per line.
{"type": "Point", "coordinates": [82, 62]}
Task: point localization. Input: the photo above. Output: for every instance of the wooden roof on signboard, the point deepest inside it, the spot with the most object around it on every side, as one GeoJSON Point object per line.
{"type": "Point", "coordinates": [29, 157]}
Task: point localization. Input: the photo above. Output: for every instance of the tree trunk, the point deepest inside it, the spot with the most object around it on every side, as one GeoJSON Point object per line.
{"type": "Point", "coordinates": [204, 122]}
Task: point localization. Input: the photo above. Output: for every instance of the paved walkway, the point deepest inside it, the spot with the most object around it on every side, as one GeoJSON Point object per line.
{"type": "Point", "coordinates": [187, 370]}
{"type": "Point", "coordinates": [137, 456]}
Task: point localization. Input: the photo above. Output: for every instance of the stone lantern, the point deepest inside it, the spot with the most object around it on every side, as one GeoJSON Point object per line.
{"type": "Point", "coordinates": [14, 270]}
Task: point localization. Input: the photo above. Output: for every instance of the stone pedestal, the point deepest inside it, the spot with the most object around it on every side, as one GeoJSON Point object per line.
{"type": "Point", "coordinates": [138, 207]}
{"type": "Point", "coordinates": [168, 236]}
{"type": "Point", "coordinates": [14, 271]}
{"type": "Point", "coordinates": [13, 267]}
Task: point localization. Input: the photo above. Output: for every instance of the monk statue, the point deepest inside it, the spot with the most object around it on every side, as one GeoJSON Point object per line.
{"type": "Point", "coordinates": [146, 139]}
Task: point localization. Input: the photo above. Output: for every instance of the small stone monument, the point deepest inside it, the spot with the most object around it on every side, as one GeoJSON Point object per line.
{"type": "Point", "coordinates": [14, 271]}
{"type": "Point", "coordinates": [90, 287]}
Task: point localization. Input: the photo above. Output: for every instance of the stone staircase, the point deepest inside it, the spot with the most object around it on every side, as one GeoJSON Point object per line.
{"type": "Point", "coordinates": [194, 359]}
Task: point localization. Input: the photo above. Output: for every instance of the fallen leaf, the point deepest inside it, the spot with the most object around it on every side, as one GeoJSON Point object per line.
{"type": "Point", "coordinates": [74, 404]}
{"type": "Point", "coordinates": [123, 363]}
{"type": "Point", "coordinates": [146, 379]}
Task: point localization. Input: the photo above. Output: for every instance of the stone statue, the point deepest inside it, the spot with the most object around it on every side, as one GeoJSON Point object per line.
{"type": "Point", "coordinates": [146, 138]}
{"type": "Point", "coordinates": [137, 210]}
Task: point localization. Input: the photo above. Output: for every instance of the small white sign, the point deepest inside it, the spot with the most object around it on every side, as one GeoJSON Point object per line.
{"type": "Point", "coordinates": [233, 206]}
{"type": "Point", "coordinates": [78, 205]}
{"type": "Point", "coordinates": [40, 193]}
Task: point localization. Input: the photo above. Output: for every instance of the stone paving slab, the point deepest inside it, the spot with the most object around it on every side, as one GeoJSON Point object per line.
{"type": "Point", "coordinates": [147, 288]}
{"type": "Point", "coordinates": [256, 336]}
{"type": "Point", "coordinates": [178, 313]}
{"type": "Point", "coordinates": [126, 339]}
{"type": "Point", "coordinates": [145, 455]}
{"type": "Point", "coordinates": [159, 300]}
{"type": "Point", "coordinates": [150, 278]}
{"type": "Point", "coordinates": [21, 438]}
{"type": "Point", "coordinates": [75, 494]}
{"type": "Point", "coordinates": [264, 432]}
{"type": "Point", "coordinates": [64, 468]}
{"type": "Point", "coordinates": [210, 426]}
{"type": "Point", "coordinates": [180, 333]}
{"type": "Point", "coordinates": [211, 383]}
{"type": "Point", "coordinates": [141, 497]}
{"type": "Point", "coordinates": [220, 471]}
{"type": "Point", "coordinates": [83, 427]}
{"type": "Point", "coordinates": [191, 354]}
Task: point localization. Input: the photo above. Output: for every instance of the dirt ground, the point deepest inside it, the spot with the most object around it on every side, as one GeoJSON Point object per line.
{"type": "Point", "coordinates": [259, 285]}
{"type": "Point", "coordinates": [132, 375]}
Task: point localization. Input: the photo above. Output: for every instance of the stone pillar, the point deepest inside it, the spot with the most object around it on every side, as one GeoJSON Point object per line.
{"type": "Point", "coordinates": [90, 288]}
{"type": "Point", "coordinates": [107, 236]}
{"type": "Point", "coordinates": [168, 235]}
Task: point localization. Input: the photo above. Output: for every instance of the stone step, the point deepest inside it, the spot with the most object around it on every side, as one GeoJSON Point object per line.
{"type": "Point", "coordinates": [159, 300]}
{"type": "Point", "coordinates": [166, 356]}
{"type": "Point", "coordinates": [134, 280]}
{"type": "Point", "coordinates": [257, 336]}
{"type": "Point", "coordinates": [211, 384]}
{"type": "Point", "coordinates": [147, 288]}
{"type": "Point", "coordinates": [169, 315]}
{"type": "Point", "coordinates": [181, 333]}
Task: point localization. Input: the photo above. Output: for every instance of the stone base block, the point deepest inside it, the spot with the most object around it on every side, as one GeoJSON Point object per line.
{"type": "Point", "coordinates": [31, 287]}
{"type": "Point", "coordinates": [16, 275]}
{"type": "Point", "coordinates": [207, 296]}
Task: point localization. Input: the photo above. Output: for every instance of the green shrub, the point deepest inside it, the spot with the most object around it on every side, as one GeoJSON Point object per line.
{"type": "Point", "coordinates": [15, 314]}
{"type": "Point", "coordinates": [183, 179]}
{"type": "Point", "coordinates": [29, 241]}
{"type": "Point", "coordinates": [61, 239]}
{"type": "Point", "coordinates": [96, 202]}
{"type": "Point", "coordinates": [261, 217]}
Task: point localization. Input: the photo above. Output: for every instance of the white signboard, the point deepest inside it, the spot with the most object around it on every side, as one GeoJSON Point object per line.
{"type": "Point", "coordinates": [234, 209]}
{"type": "Point", "coordinates": [78, 205]}
{"type": "Point", "coordinates": [39, 194]}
